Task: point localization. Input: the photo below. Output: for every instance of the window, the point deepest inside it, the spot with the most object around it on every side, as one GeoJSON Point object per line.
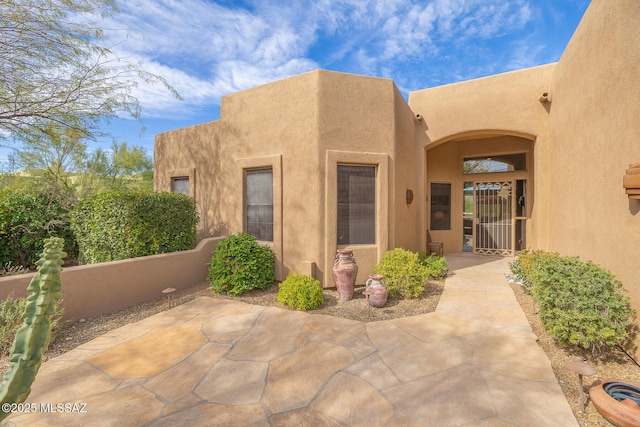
{"type": "Point", "coordinates": [440, 206]}
{"type": "Point", "coordinates": [497, 163]}
{"type": "Point", "coordinates": [259, 203]}
{"type": "Point", "coordinates": [356, 204]}
{"type": "Point", "coordinates": [180, 185]}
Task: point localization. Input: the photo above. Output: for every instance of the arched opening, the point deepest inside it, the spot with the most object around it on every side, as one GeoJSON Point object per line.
{"type": "Point", "coordinates": [480, 192]}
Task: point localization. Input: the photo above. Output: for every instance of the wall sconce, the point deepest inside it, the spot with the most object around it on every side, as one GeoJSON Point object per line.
{"type": "Point", "coordinates": [545, 97]}
{"type": "Point", "coordinates": [410, 196]}
{"type": "Point", "coordinates": [631, 181]}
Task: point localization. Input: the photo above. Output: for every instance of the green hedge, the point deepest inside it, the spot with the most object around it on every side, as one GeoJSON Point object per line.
{"type": "Point", "coordinates": [127, 224]}
{"type": "Point", "coordinates": [26, 219]}
{"type": "Point", "coordinates": [240, 264]}
{"type": "Point", "coordinates": [580, 302]}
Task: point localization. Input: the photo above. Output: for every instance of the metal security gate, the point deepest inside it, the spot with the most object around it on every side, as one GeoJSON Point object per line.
{"type": "Point", "coordinates": [494, 218]}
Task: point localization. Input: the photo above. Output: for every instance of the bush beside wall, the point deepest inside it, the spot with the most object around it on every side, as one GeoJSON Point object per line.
{"type": "Point", "coordinates": [301, 291]}
{"type": "Point", "coordinates": [580, 302]}
{"type": "Point", "coordinates": [240, 264]}
{"type": "Point", "coordinates": [26, 219]}
{"type": "Point", "coordinates": [405, 274]}
{"type": "Point", "coordinates": [118, 225]}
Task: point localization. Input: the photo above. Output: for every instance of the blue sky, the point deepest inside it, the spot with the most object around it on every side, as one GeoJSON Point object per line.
{"type": "Point", "coordinates": [207, 49]}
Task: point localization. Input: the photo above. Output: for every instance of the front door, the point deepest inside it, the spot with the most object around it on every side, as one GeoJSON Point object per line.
{"type": "Point", "coordinates": [493, 217]}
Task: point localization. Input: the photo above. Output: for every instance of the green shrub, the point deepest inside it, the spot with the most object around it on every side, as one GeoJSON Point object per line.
{"type": "Point", "coordinates": [436, 265]}
{"type": "Point", "coordinates": [240, 264]}
{"type": "Point", "coordinates": [301, 291]}
{"type": "Point", "coordinates": [580, 302]}
{"type": "Point", "coordinates": [26, 219]}
{"type": "Point", "coordinates": [127, 224]}
{"type": "Point", "coordinates": [405, 275]}
{"type": "Point", "coordinates": [11, 318]}
{"type": "Point", "coordinates": [527, 266]}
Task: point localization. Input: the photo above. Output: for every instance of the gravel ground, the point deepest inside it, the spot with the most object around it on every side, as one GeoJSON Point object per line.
{"type": "Point", "coordinates": [613, 363]}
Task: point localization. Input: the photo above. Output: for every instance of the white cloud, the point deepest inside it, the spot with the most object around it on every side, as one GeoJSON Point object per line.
{"type": "Point", "coordinates": [206, 50]}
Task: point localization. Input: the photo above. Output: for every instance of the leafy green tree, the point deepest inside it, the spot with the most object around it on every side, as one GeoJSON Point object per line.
{"type": "Point", "coordinates": [54, 67]}
{"type": "Point", "coordinates": [53, 156]}
{"type": "Point", "coordinates": [120, 168]}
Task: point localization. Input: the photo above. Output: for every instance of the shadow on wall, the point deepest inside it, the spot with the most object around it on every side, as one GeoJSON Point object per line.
{"type": "Point", "coordinates": [95, 289]}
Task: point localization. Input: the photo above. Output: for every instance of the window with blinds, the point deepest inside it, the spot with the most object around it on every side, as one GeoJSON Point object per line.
{"type": "Point", "coordinates": [259, 203]}
{"type": "Point", "coordinates": [356, 204]}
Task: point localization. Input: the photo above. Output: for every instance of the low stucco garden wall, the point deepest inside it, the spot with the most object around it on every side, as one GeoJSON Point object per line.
{"type": "Point", "coordinates": [92, 290]}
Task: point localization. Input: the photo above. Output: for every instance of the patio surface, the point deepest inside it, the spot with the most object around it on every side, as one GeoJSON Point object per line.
{"type": "Point", "coordinates": [473, 362]}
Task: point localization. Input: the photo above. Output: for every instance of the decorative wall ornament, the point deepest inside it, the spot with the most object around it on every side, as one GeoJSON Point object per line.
{"type": "Point", "coordinates": [631, 181]}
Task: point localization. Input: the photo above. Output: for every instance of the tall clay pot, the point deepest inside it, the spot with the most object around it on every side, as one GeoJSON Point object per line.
{"type": "Point", "coordinates": [345, 271]}
{"type": "Point", "coordinates": [376, 290]}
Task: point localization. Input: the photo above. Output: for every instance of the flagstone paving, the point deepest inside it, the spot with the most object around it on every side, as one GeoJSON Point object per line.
{"type": "Point", "coordinates": [473, 362]}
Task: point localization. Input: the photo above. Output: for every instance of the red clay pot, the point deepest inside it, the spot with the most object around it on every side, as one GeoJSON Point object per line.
{"type": "Point", "coordinates": [621, 414]}
{"type": "Point", "coordinates": [345, 271]}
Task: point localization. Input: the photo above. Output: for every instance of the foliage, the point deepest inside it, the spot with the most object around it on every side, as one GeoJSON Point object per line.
{"type": "Point", "coordinates": [240, 264]}
{"type": "Point", "coordinates": [127, 224]}
{"type": "Point", "coordinates": [32, 338]}
{"type": "Point", "coordinates": [121, 167]}
{"type": "Point", "coordinates": [580, 302]}
{"type": "Point", "coordinates": [52, 156]}
{"type": "Point", "coordinates": [527, 266]}
{"type": "Point", "coordinates": [301, 292]}
{"type": "Point", "coordinates": [436, 265]}
{"type": "Point", "coordinates": [26, 218]}
{"type": "Point", "coordinates": [11, 313]}
{"type": "Point", "coordinates": [9, 269]}
{"type": "Point", "coordinates": [405, 275]}
{"type": "Point", "coordinates": [59, 161]}
{"type": "Point", "coordinates": [54, 67]}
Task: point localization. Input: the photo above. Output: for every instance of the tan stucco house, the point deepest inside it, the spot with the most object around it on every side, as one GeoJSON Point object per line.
{"type": "Point", "coordinates": [533, 158]}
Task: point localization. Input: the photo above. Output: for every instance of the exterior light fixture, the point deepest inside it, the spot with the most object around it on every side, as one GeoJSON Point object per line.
{"type": "Point", "coordinates": [631, 181]}
{"type": "Point", "coordinates": [409, 196]}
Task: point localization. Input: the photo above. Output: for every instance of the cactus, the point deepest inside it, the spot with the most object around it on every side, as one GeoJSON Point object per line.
{"type": "Point", "coordinates": [32, 339]}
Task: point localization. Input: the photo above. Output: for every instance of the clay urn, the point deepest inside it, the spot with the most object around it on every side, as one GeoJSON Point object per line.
{"type": "Point", "coordinates": [376, 290]}
{"type": "Point", "coordinates": [345, 271]}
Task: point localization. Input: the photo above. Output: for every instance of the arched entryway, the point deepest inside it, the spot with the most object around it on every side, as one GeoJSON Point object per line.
{"type": "Point", "coordinates": [480, 192]}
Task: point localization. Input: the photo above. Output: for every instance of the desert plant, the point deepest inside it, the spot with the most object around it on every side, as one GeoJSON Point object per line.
{"type": "Point", "coordinates": [527, 266]}
{"type": "Point", "coordinates": [437, 265]}
{"type": "Point", "coordinates": [301, 291]}
{"type": "Point", "coordinates": [580, 302]}
{"type": "Point", "coordinates": [405, 275]}
{"type": "Point", "coordinates": [32, 338]}
{"type": "Point", "coordinates": [240, 264]}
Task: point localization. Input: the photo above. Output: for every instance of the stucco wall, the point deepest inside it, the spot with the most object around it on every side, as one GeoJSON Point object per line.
{"type": "Point", "coordinates": [595, 129]}
{"type": "Point", "coordinates": [92, 290]}
{"type": "Point", "coordinates": [300, 126]}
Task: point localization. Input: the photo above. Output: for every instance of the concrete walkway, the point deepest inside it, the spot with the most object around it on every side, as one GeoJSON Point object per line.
{"type": "Point", "coordinates": [474, 362]}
